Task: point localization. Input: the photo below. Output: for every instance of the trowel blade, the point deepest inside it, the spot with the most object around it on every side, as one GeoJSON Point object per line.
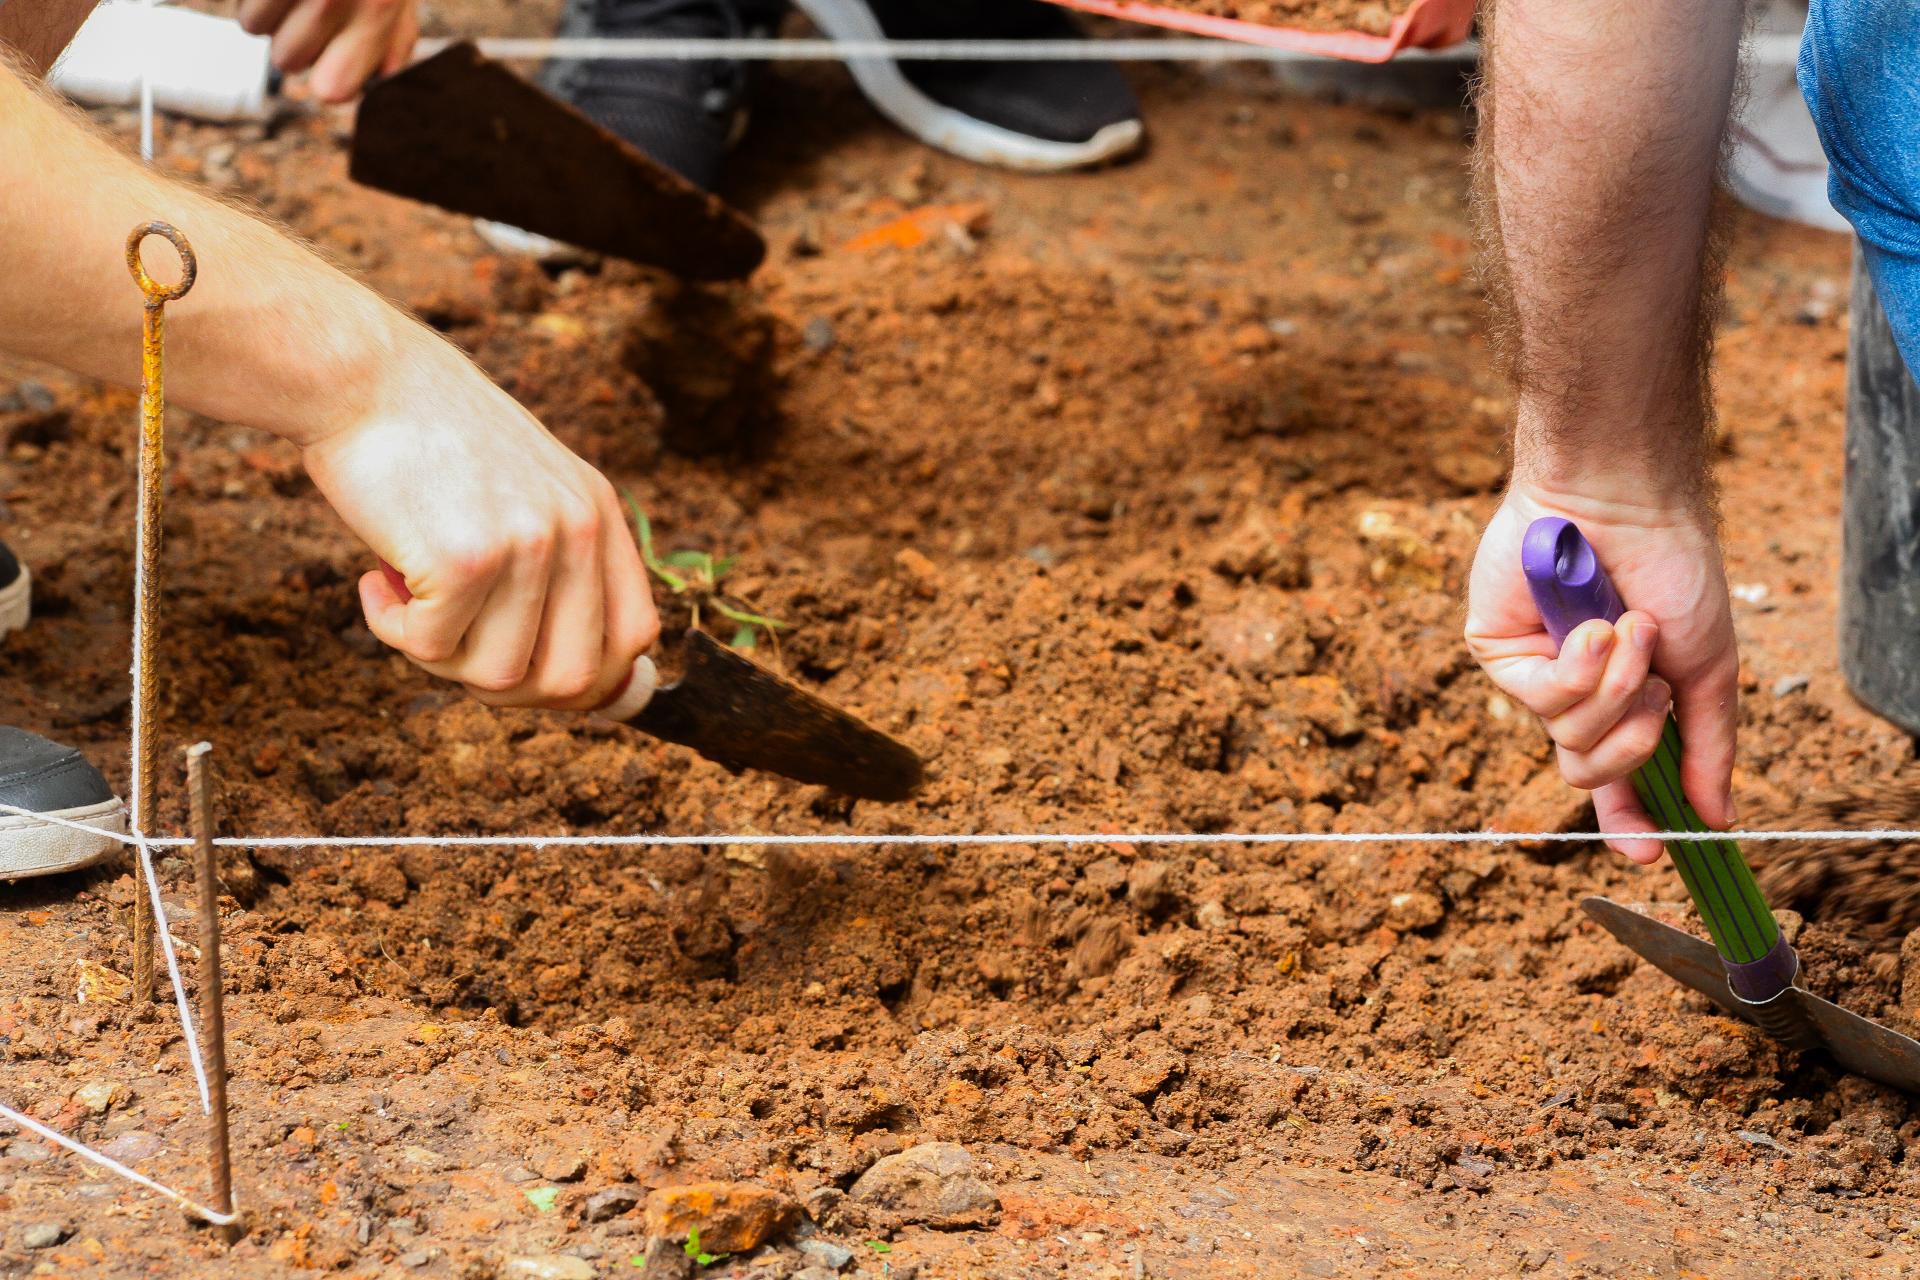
{"type": "Point", "coordinates": [737, 713]}
{"type": "Point", "coordinates": [461, 131]}
{"type": "Point", "coordinates": [1858, 1044]}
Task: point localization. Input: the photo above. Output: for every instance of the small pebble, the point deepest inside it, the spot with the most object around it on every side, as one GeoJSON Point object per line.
{"type": "Point", "coordinates": [1789, 684]}
{"type": "Point", "coordinates": [610, 1203]}
{"type": "Point", "coordinates": [43, 1235]}
{"type": "Point", "coordinates": [827, 1254]}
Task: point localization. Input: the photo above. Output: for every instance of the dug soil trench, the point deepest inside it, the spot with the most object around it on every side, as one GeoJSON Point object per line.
{"type": "Point", "coordinates": [1137, 501]}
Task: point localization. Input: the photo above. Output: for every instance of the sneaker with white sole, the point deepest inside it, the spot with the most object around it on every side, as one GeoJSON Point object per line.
{"type": "Point", "coordinates": [685, 114]}
{"type": "Point", "coordinates": [52, 780]}
{"type": "Point", "coordinates": [60, 787]}
{"type": "Point", "coordinates": [1037, 116]}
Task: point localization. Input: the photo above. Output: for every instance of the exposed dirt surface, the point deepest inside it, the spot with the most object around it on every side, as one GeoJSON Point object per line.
{"type": "Point", "coordinates": [1136, 501]}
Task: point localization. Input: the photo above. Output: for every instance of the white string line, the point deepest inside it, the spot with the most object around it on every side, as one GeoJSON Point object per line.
{"type": "Point", "coordinates": [212, 1216]}
{"type": "Point", "coordinates": [1057, 838]}
{"type": "Point", "coordinates": [1770, 50]}
{"type": "Point", "coordinates": [142, 846]}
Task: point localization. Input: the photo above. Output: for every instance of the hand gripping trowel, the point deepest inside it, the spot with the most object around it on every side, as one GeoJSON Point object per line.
{"type": "Point", "coordinates": [1750, 970]}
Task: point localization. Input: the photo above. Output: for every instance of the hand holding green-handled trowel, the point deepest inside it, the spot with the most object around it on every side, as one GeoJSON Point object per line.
{"type": "Point", "coordinates": [1751, 970]}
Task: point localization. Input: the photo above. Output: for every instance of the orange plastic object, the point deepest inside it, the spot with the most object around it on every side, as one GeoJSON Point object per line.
{"type": "Point", "coordinates": [1428, 24]}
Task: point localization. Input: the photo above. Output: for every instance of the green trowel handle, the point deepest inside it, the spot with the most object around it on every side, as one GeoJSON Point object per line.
{"type": "Point", "coordinates": [1570, 588]}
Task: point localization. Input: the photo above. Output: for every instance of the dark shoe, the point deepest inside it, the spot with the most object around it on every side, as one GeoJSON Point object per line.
{"type": "Point", "coordinates": [57, 782]}
{"type": "Point", "coordinates": [684, 114]}
{"type": "Point", "coordinates": [16, 592]}
{"type": "Point", "coordinates": [1044, 116]}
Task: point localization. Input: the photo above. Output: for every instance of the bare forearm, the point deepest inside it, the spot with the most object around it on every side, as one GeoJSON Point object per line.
{"type": "Point", "coordinates": [271, 335]}
{"type": "Point", "coordinates": [1597, 165]}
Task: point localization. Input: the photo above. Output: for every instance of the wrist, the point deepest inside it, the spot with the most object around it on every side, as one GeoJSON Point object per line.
{"type": "Point", "coordinates": [1613, 462]}
{"type": "Point", "coordinates": [361, 362]}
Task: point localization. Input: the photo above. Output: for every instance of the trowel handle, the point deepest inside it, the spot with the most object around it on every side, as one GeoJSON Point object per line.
{"type": "Point", "coordinates": [626, 702]}
{"type": "Point", "coordinates": [1570, 587]}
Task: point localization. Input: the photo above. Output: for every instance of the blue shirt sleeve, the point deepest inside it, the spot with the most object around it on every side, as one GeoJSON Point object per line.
{"type": "Point", "coordinates": [1860, 74]}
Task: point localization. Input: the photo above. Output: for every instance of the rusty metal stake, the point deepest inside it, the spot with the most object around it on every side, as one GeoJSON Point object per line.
{"type": "Point", "coordinates": [213, 1006]}
{"type": "Point", "coordinates": [146, 591]}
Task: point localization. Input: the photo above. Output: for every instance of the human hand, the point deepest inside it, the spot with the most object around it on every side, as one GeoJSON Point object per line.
{"type": "Point", "coordinates": [1604, 696]}
{"type": "Point", "coordinates": [345, 43]}
{"type": "Point", "coordinates": [522, 581]}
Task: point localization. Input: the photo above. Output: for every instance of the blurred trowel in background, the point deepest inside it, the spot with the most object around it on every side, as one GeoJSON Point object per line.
{"type": "Point", "coordinates": [463, 132]}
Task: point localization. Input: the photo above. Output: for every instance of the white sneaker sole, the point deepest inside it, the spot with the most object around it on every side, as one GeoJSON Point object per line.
{"type": "Point", "coordinates": [16, 603]}
{"type": "Point", "coordinates": [955, 132]}
{"type": "Point", "coordinates": [36, 847]}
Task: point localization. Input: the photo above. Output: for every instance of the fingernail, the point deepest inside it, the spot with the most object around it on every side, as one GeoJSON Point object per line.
{"type": "Point", "coordinates": [1644, 634]}
{"type": "Point", "coordinates": [1599, 641]}
{"type": "Point", "coordinates": [1657, 695]}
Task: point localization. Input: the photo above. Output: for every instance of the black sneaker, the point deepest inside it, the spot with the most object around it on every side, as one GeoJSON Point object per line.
{"type": "Point", "coordinates": [58, 782]}
{"type": "Point", "coordinates": [1043, 116]}
{"type": "Point", "coordinates": [684, 114]}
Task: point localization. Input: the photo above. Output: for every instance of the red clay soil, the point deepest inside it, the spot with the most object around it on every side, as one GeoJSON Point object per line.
{"type": "Point", "coordinates": [1137, 501]}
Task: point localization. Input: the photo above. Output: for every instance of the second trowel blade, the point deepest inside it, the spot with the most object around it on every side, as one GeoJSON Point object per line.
{"type": "Point", "coordinates": [1859, 1044]}
{"type": "Point", "coordinates": [461, 131]}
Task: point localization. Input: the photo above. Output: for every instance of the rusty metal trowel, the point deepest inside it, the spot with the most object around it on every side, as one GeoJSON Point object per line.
{"type": "Point", "coordinates": [738, 714]}
{"type": "Point", "coordinates": [1749, 970]}
{"type": "Point", "coordinates": [463, 132]}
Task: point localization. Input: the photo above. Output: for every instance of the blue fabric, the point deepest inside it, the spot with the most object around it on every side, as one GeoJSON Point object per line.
{"type": "Point", "coordinates": [1860, 73]}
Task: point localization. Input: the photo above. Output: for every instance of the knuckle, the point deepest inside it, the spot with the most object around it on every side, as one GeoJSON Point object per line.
{"type": "Point", "coordinates": [533, 542]}
{"type": "Point", "coordinates": [475, 562]}
{"type": "Point", "coordinates": [495, 681]}
{"type": "Point", "coordinates": [434, 650]}
{"type": "Point", "coordinates": [1582, 774]}
{"type": "Point", "coordinates": [570, 685]}
{"type": "Point", "coordinates": [580, 525]}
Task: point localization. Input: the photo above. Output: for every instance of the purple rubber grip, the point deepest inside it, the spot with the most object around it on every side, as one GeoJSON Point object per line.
{"type": "Point", "coordinates": [1569, 586]}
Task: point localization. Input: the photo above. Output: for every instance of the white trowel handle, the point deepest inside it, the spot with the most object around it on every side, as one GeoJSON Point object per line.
{"type": "Point", "coordinates": [633, 696]}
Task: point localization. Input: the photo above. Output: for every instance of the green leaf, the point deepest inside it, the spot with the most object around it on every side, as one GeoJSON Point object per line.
{"type": "Point", "coordinates": [745, 638]}
{"type": "Point", "coordinates": [722, 567]}
{"type": "Point", "coordinates": [879, 1246]}
{"type": "Point", "coordinates": [733, 613]}
{"type": "Point", "coordinates": [689, 559]}
{"type": "Point", "coordinates": [692, 1247]}
{"type": "Point", "coordinates": [643, 527]}
{"type": "Point", "coordinates": [542, 1198]}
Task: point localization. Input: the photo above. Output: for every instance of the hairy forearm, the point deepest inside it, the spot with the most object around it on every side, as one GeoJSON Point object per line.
{"type": "Point", "coordinates": [1599, 147]}
{"type": "Point", "coordinates": [271, 335]}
